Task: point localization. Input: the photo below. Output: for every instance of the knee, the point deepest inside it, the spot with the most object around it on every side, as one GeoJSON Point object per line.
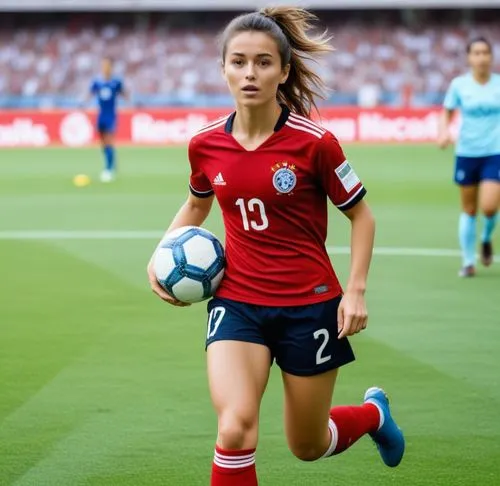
{"type": "Point", "coordinates": [470, 210]}
{"type": "Point", "coordinates": [306, 452]}
{"type": "Point", "coordinates": [489, 211]}
{"type": "Point", "coordinates": [237, 431]}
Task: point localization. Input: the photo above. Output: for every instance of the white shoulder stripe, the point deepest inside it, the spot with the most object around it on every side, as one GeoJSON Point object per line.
{"type": "Point", "coordinates": [305, 119]}
{"type": "Point", "coordinates": [213, 125]}
{"type": "Point", "coordinates": [304, 129]}
{"type": "Point", "coordinates": [307, 125]}
{"type": "Point", "coordinates": [319, 132]}
{"type": "Point", "coordinates": [340, 206]}
{"type": "Point", "coordinates": [306, 122]}
{"type": "Point", "coordinates": [215, 122]}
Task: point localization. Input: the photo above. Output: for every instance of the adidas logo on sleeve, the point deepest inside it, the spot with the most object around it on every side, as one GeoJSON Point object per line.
{"type": "Point", "coordinates": [219, 180]}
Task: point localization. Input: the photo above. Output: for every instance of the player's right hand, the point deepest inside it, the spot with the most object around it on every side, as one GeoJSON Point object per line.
{"type": "Point", "coordinates": [444, 139]}
{"type": "Point", "coordinates": [159, 290]}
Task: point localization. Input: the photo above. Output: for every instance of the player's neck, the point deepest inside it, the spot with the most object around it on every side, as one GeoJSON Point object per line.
{"type": "Point", "coordinates": [481, 77]}
{"type": "Point", "coordinates": [256, 122]}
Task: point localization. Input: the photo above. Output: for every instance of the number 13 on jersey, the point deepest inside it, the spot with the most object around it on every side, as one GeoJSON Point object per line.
{"type": "Point", "coordinates": [251, 220]}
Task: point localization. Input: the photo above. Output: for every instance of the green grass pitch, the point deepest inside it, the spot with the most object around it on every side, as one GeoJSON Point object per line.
{"type": "Point", "coordinates": [102, 384]}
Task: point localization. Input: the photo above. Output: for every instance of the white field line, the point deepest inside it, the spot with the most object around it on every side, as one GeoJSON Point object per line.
{"type": "Point", "coordinates": [152, 235]}
{"type": "Point", "coordinates": [79, 235]}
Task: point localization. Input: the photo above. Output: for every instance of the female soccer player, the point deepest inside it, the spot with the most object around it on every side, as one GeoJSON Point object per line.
{"type": "Point", "coordinates": [477, 167]}
{"type": "Point", "coordinates": [272, 170]}
{"type": "Point", "coordinates": [106, 89]}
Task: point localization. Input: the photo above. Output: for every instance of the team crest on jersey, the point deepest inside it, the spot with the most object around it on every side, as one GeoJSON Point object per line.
{"type": "Point", "coordinates": [105, 93]}
{"type": "Point", "coordinates": [284, 177]}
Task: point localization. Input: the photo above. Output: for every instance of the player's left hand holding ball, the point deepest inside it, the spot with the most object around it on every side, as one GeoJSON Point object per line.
{"type": "Point", "coordinates": [352, 316]}
{"type": "Point", "coordinates": [158, 289]}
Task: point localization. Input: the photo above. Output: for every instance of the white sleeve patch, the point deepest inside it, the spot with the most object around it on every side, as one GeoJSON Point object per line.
{"type": "Point", "coordinates": [347, 176]}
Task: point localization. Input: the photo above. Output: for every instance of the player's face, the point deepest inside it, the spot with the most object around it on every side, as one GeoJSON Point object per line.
{"type": "Point", "coordinates": [480, 57]}
{"type": "Point", "coordinates": [106, 68]}
{"type": "Point", "coordinates": [252, 68]}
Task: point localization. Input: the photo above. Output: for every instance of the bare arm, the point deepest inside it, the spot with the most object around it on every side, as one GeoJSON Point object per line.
{"type": "Point", "coordinates": [126, 95]}
{"type": "Point", "coordinates": [85, 99]}
{"type": "Point", "coordinates": [352, 316]}
{"type": "Point", "coordinates": [444, 136]}
{"type": "Point", "coordinates": [362, 239]}
{"type": "Point", "coordinates": [192, 213]}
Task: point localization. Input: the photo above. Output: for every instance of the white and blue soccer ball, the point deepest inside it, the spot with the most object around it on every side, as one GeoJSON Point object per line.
{"type": "Point", "coordinates": [189, 263]}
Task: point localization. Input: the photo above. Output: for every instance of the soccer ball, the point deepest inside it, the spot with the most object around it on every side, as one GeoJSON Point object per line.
{"type": "Point", "coordinates": [189, 263]}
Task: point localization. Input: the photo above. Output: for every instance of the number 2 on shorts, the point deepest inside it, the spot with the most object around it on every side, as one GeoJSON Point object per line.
{"type": "Point", "coordinates": [214, 319]}
{"type": "Point", "coordinates": [322, 333]}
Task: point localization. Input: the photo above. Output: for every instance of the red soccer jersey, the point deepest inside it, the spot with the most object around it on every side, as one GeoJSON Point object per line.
{"type": "Point", "coordinates": [274, 204]}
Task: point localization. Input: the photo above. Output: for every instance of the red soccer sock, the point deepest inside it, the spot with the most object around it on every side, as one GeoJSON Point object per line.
{"type": "Point", "coordinates": [234, 468]}
{"type": "Point", "coordinates": [348, 424]}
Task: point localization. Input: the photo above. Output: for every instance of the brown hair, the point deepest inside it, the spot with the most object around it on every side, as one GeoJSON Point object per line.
{"type": "Point", "coordinates": [477, 40]}
{"type": "Point", "coordinates": [289, 27]}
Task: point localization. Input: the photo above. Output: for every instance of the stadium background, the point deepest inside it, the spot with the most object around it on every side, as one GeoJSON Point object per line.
{"type": "Point", "coordinates": [101, 384]}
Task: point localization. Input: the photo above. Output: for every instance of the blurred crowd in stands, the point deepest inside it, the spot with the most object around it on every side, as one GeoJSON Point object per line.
{"type": "Point", "coordinates": [173, 58]}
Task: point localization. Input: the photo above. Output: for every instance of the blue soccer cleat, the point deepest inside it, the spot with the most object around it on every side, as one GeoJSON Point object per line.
{"type": "Point", "coordinates": [389, 438]}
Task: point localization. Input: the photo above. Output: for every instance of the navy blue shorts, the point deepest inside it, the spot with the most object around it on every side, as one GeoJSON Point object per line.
{"type": "Point", "coordinates": [106, 126]}
{"type": "Point", "coordinates": [473, 170]}
{"type": "Point", "coordinates": [302, 339]}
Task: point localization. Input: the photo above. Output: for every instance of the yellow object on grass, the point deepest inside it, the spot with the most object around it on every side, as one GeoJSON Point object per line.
{"type": "Point", "coordinates": [81, 180]}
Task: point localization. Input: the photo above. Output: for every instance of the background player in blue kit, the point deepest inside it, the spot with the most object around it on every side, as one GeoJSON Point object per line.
{"type": "Point", "coordinates": [477, 171]}
{"type": "Point", "coordinates": [107, 88]}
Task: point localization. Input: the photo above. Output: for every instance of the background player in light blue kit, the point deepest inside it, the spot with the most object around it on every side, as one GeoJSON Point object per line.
{"type": "Point", "coordinates": [107, 88]}
{"type": "Point", "coordinates": [477, 170]}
